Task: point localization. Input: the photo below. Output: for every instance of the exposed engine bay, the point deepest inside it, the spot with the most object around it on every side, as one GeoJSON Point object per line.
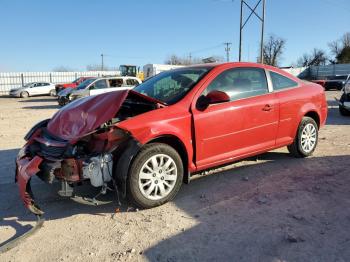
{"type": "Point", "coordinates": [82, 142]}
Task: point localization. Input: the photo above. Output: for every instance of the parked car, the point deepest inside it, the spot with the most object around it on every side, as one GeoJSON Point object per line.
{"type": "Point", "coordinates": [149, 140]}
{"type": "Point", "coordinates": [336, 82]}
{"type": "Point", "coordinates": [344, 101]}
{"type": "Point", "coordinates": [34, 89]}
{"type": "Point", "coordinates": [94, 86]}
{"type": "Point", "coordinates": [74, 84]}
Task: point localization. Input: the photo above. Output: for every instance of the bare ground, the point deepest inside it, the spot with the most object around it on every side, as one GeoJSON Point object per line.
{"type": "Point", "coordinates": [270, 208]}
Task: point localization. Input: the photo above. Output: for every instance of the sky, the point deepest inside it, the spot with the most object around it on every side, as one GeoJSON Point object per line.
{"type": "Point", "coordinates": [37, 35]}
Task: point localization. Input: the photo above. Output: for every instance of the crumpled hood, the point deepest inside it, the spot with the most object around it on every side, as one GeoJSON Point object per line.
{"type": "Point", "coordinates": [83, 116]}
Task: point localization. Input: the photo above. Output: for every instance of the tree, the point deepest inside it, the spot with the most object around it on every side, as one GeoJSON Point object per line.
{"type": "Point", "coordinates": [273, 49]}
{"type": "Point", "coordinates": [62, 69]}
{"type": "Point", "coordinates": [316, 57]}
{"type": "Point", "coordinates": [344, 56]}
{"type": "Point", "coordinates": [177, 60]}
{"type": "Point", "coordinates": [339, 49]}
{"type": "Point", "coordinates": [96, 67]}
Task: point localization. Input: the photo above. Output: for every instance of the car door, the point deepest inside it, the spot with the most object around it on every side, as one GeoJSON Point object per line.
{"type": "Point", "coordinates": [98, 87]}
{"type": "Point", "coordinates": [35, 89]}
{"type": "Point", "coordinates": [43, 88]}
{"type": "Point", "coordinates": [244, 125]}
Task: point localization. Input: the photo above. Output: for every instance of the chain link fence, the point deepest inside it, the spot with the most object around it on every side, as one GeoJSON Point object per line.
{"type": "Point", "coordinates": [17, 79]}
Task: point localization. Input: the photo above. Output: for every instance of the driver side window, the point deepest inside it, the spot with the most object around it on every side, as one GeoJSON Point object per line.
{"type": "Point", "coordinates": [239, 83]}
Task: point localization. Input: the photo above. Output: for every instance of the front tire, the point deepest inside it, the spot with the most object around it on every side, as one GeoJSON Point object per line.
{"type": "Point", "coordinates": [24, 94]}
{"type": "Point", "coordinates": [155, 176]}
{"type": "Point", "coordinates": [306, 139]}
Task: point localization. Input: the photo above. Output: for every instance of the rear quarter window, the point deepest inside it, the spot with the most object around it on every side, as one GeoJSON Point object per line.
{"type": "Point", "coordinates": [281, 82]}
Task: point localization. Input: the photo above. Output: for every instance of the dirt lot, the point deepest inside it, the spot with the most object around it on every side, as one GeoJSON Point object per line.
{"type": "Point", "coordinates": [270, 208]}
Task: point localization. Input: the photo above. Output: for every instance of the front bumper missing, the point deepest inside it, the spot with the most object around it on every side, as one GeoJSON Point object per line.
{"type": "Point", "coordinates": [25, 169]}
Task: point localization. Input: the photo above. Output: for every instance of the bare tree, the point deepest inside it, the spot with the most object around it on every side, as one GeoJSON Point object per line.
{"type": "Point", "coordinates": [177, 60]}
{"type": "Point", "coordinates": [339, 49]}
{"type": "Point", "coordinates": [273, 49]}
{"type": "Point", "coordinates": [316, 57]}
{"type": "Point", "coordinates": [62, 69]}
{"type": "Point", "coordinates": [97, 67]}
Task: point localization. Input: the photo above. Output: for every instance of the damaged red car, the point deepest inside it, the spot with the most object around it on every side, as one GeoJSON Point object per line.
{"type": "Point", "coordinates": [148, 141]}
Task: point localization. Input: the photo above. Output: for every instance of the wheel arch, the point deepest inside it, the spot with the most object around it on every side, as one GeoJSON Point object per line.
{"type": "Point", "coordinates": [315, 116]}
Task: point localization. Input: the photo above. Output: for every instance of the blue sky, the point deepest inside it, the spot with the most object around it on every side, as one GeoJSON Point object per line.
{"type": "Point", "coordinates": [41, 35]}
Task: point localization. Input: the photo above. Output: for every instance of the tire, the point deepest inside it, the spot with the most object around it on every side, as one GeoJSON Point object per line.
{"type": "Point", "coordinates": [301, 147]}
{"type": "Point", "coordinates": [52, 92]}
{"type": "Point", "coordinates": [343, 111]}
{"type": "Point", "coordinates": [147, 192]}
{"type": "Point", "coordinates": [24, 94]}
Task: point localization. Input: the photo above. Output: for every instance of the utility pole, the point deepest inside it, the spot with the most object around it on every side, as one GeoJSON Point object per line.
{"type": "Point", "coordinates": [102, 62]}
{"type": "Point", "coordinates": [227, 49]}
{"type": "Point", "coordinates": [190, 58]}
{"type": "Point", "coordinates": [242, 24]}
{"type": "Point", "coordinates": [262, 33]}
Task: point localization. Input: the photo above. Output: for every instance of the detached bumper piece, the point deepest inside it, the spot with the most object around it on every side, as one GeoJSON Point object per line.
{"type": "Point", "coordinates": [26, 168]}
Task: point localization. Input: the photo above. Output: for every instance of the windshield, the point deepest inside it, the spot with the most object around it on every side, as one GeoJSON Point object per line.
{"type": "Point", "coordinates": [76, 80]}
{"type": "Point", "coordinates": [171, 86]}
{"type": "Point", "coordinates": [85, 83]}
{"type": "Point", "coordinates": [27, 85]}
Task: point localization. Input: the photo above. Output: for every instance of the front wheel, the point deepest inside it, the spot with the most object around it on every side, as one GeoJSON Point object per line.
{"type": "Point", "coordinates": [155, 176]}
{"type": "Point", "coordinates": [306, 139]}
{"type": "Point", "coordinates": [24, 94]}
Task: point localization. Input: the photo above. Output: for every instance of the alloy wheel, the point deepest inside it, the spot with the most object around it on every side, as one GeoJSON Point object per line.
{"type": "Point", "coordinates": [308, 137]}
{"type": "Point", "coordinates": [157, 177]}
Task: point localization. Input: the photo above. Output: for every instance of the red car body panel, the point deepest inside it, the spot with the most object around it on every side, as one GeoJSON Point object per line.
{"type": "Point", "coordinates": [217, 135]}
{"type": "Point", "coordinates": [75, 83]}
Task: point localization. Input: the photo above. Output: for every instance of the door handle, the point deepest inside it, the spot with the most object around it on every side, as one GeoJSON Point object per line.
{"type": "Point", "coordinates": [267, 107]}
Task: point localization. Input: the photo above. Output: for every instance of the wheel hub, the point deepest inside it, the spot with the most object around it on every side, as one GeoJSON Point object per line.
{"type": "Point", "coordinates": [157, 177]}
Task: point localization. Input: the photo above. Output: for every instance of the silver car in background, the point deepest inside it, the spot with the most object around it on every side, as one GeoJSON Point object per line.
{"type": "Point", "coordinates": [34, 89]}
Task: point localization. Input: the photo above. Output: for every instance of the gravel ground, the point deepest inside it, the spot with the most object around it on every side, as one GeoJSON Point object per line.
{"type": "Point", "coordinates": [270, 208]}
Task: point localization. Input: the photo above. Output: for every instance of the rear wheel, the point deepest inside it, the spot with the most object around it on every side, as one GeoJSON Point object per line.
{"type": "Point", "coordinates": [306, 139]}
{"type": "Point", "coordinates": [155, 176]}
{"type": "Point", "coordinates": [24, 94]}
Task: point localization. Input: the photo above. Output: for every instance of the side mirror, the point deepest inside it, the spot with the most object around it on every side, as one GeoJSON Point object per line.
{"type": "Point", "coordinates": [92, 87]}
{"type": "Point", "coordinates": [213, 97]}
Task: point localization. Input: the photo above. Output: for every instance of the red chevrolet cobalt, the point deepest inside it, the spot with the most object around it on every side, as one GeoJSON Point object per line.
{"type": "Point", "coordinates": [147, 141]}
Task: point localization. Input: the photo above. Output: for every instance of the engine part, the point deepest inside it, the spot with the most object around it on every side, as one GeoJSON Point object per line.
{"type": "Point", "coordinates": [98, 169]}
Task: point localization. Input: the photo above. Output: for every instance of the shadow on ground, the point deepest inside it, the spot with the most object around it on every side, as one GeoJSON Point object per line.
{"type": "Point", "coordinates": [38, 99]}
{"type": "Point", "coordinates": [42, 107]}
{"type": "Point", "coordinates": [276, 207]}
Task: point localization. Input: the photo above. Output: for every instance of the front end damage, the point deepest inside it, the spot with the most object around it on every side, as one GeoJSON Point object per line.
{"type": "Point", "coordinates": [82, 142]}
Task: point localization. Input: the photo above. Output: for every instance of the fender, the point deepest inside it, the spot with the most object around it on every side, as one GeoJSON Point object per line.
{"type": "Point", "coordinates": [127, 154]}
